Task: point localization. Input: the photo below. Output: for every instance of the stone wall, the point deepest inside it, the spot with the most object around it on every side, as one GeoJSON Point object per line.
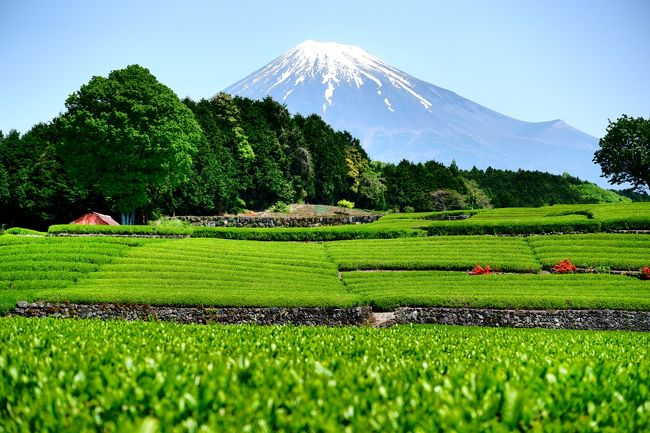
{"type": "Point", "coordinates": [357, 316]}
{"type": "Point", "coordinates": [259, 316]}
{"type": "Point", "coordinates": [287, 221]}
{"type": "Point", "coordinates": [554, 319]}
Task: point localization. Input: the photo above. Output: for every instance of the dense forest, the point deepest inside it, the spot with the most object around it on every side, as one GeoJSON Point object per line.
{"type": "Point", "coordinates": [253, 154]}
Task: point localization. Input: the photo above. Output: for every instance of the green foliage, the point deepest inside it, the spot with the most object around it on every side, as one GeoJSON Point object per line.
{"type": "Point", "coordinates": [591, 193]}
{"type": "Point", "coordinates": [410, 184]}
{"type": "Point", "coordinates": [458, 253]}
{"type": "Point", "coordinates": [170, 222]}
{"type": "Point", "coordinates": [385, 228]}
{"type": "Point", "coordinates": [346, 204]}
{"type": "Point", "coordinates": [29, 263]}
{"type": "Point", "coordinates": [151, 230]}
{"type": "Point", "coordinates": [246, 273]}
{"type": "Point", "coordinates": [621, 252]}
{"type": "Point", "coordinates": [280, 207]}
{"type": "Point", "coordinates": [624, 154]}
{"type": "Point", "coordinates": [523, 226]}
{"type": "Point", "coordinates": [476, 198]}
{"type": "Point", "coordinates": [241, 150]}
{"type": "Point", "coordinates": [372, 189]}
{"type": "Point", "coordinates": [128, 137]}
{"type": "Point", "coordinates": [23, 232]}
{"type": "Point", "coordinates": [127, 377]}
{"type": "Point", "coordinates": [35, 191]}
{"type": "Point", "coordinates": [214, 272]}
{"type": "Point", "coordinates": [632, 194]}
{"type": "Point", "coordinates": [310, 234]}
{"type": "Point", "coordinates": [389, 290]}
{"type": "Point", "coordinates": [560, 218]}
{"type": "Point", "coordinates": [523, 188]}
{"type": "Point", "coordinates": [444, 199]}
{"type": "Point", "coordinates": [217, 174]}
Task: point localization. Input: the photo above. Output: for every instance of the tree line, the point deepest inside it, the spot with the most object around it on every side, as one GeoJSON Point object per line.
{"type": "Point", "coordinates": [126, 144]}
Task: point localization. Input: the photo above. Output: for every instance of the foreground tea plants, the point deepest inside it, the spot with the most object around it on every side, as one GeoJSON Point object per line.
{"type": "Point", "coordinates": [130, 377]}
{"type": "Point", "coordinates": [441, 252]}
{"type": "Point", "coordinates": [388, 290]}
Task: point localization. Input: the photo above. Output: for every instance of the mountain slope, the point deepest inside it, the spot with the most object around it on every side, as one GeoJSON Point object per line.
{"type": "Point", "coordinates": [396, 115]}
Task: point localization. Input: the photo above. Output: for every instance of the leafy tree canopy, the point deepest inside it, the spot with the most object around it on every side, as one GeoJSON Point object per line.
{"type": "Point", "coordinates": [128, 137]}
{"type": "Point", "coordinates": [624, 154]}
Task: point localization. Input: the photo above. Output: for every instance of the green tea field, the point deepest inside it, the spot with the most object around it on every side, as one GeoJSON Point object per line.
{"type": "Point", "coordinates": [431, 271]}
{"type": "Point", "coordinates": [59, 375]}
{"type": "Point", "coordinates": [118, 376]}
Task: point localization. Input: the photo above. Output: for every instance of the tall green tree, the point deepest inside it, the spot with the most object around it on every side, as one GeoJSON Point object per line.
{"type": "Point", "coordinates": [129, 138]}
{"type": "Point", "coordinates": [218, 171]}
{"type": "Point", "coordinates": [35, 191]}
{"type": "Point", "coordinates": [262, 121]}
{"type": "Point", "coordinates": [624, 154]}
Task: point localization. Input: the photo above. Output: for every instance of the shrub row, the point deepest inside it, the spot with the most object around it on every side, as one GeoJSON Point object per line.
{"type": "Point", "coordinates": [443, 252]}
{"type": "Point", "coordinates": [389, 290]}
{"type": "Point", "coordinates": [360, 231]}
{"type": "Point", "coordinates": [514, 226]}
{"type": "Point", "coordinates": [118, 376]}
{"type": "Point", "coordinates": [159, 230]}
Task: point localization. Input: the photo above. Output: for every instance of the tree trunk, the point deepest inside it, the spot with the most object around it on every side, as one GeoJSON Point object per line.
{"type": "Point", "coordinates": [128, 219]}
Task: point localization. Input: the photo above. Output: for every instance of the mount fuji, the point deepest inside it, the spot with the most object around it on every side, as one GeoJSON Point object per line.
{"type": "Point", "coordinates": [397, 116]}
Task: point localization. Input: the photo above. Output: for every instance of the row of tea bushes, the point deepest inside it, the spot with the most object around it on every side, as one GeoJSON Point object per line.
{"type": "Point", "coordinates": [145, 376]}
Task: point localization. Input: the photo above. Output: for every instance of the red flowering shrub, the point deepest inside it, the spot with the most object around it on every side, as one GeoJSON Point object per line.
{"type": "Point", "coordinates": [564, 267]}
{"type": "Point", "coordinates": [645, 273]}
{"type": "Point", "coordinates": [478, 270]}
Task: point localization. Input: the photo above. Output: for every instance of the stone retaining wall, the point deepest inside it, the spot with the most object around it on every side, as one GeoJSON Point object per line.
{"type": "Point", "coordinates": [244, 221]}
{"type": "Point", "coordinates": [554, 319]}
{"type": "Point", "coordinates": [259, 316]}
{"type": "Point", "coordinates": [357, 316]}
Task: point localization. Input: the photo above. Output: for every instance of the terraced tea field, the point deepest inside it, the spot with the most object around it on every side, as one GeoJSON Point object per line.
{"type": "Point", "coordinates": [216, 272]}
{"type": "Point", "coordinates": [219, 272]}
{"type": "Point", "coordinates": [31, 264]}
{"type": "Point", "coordinates": [69, 375]}
{"type": "Point", "coordinates": [549, 219]}
{"type": "Point", "coordinates": [388, 290]}
{"type": "Point", "coordinates": [78, 376]}
{"type": "Point", "coordinates": [613, 251]}
{"type": "Point", "coordinates": [458, 253]}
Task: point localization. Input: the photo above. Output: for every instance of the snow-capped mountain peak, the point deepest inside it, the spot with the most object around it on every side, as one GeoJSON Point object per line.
{"type": "Point", "coordinates": [396, 115]}
{"type": "Point", "coordinates": [330, 64]}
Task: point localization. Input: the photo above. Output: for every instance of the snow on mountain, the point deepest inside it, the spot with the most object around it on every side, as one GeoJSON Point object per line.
{"type": "Point", "coordinates": [397, 116]}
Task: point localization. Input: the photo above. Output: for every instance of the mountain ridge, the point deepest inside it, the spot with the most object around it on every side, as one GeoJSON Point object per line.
{"type": "Point", "coordinates": [397, 116]}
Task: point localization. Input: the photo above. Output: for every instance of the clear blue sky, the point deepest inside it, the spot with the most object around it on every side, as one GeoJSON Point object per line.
{"type": "Point", "coordinates": [582, 61]}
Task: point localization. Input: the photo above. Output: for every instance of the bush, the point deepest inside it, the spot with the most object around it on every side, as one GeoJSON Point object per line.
{"type": "Point", "coordinates": [478, 270]}
{"type": "Point", "coordinates": [23, 232]}
{"type": "Point", "coordinates": [280, 207]}
{"type": "Point", "coordinates": [645, 273]}
{"type": "Point", "coordinates": [162, 230]}
{"type": "Point", "coordinates": [169, 222]}
{"type": "Point", "coordinates": [564, 267]}
{"type": "Point", "coordinates": [522, 226]}
{"type": "Point", "coordinates": [302, 234]}
{"type": "Point", "coordinates": [346, 204]}
{"type": "Point", "coordinates": [315, 234]}
{"type": "Point", "coordinates": [240, 206]}
{"type": "Point", "coordinates": [444, 199]}
{"type": "Point", "coordinates": [409, 209]}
